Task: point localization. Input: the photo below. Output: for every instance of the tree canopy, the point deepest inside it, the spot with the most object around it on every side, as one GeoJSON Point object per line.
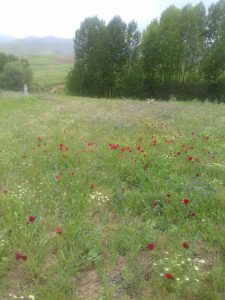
{"type": "Point", "coordinates": [14, 72]}
{"type": "Point", "coordinates": [181, 54]}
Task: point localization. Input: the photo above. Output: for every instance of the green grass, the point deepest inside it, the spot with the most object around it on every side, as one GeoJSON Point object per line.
{"type": "Point", "coordinates": [110, 203]}
{"type": "Point", "coordinates": [49, 71]}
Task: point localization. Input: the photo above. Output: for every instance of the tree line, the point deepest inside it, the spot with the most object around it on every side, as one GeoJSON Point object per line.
{"type": "Point", "coordinates": [181, 54]}
{"type": "Point", "coordinates": [14, 72]}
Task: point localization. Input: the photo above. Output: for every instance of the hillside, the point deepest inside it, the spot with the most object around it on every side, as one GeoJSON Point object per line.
{"type": "Point", "coordinates": [36, 46]}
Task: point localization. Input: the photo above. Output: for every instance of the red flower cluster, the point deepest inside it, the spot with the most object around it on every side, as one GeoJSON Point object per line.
{"type": "Point", "coordinates": [140, 149]}
{"type": "Point", "coordinates": [92, 186]}
{"type": "Point", "coordinates": [63, 147]}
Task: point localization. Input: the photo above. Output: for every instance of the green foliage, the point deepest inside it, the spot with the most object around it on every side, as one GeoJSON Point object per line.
{"type": "Point", "coordinates": [181, 54]}
{"type": "Point", "coordinates": [103, 56]}
{"type": "Point", "coordinates": [14, 72]}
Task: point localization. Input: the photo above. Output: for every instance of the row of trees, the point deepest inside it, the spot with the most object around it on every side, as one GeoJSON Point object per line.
{"type": "Point", "coordinates": [181, 54]}
{"type": "Point", "coordinates": [14, 72]}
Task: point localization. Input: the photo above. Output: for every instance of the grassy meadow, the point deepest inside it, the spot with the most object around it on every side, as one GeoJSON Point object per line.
{"type": "Point", "coordinates": [111, 199]}
{"type": "Point", "coordinates": [49, 71]}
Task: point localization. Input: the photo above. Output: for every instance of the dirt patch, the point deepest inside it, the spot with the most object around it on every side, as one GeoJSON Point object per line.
{"type": "Point", "coordinates": [88, 286]}
{"type": "Point", "coordinates": [16, 278]}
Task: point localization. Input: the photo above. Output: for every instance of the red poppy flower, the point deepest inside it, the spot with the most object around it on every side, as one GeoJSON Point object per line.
{"type": "Point", "coordinates": [40, 138]}
{"type": "Point", "coordinates": [190, 158]}
{"type": "Point", "coordinates": [58, 177]}
{"type": "Point", "coordinates": [150, 246]}
{"type": "Point", "coordinates": [185, 201]}
{"type": "Point", "coordinates": [31, 219]}
{"type": "Point", "coordinates": [192, 214]}
{"type": "Point", "coordinates": [168, 276]}
{"type": "Point", "coordinates": [92, 186]}
{"type": "Point", "coordinates": [59, 230]}
{"type": "Point", "coordinates": [113, 146]}
{"type": "Point", "coordinates": [19, 255]}
{"type": "Point", "coordinates": [185, 245]}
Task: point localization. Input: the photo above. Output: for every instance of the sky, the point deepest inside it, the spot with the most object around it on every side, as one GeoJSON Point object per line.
{"type": "Point", "coordinates": [60, 18]}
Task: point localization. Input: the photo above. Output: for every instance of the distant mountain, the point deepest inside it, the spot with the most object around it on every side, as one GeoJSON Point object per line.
{"type": "Point", "coordinates": [5, 38]}
{"type": "Point", "coordinates": [36, 46]}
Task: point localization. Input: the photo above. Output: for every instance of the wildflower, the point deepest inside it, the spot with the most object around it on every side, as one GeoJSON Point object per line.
{"type": "Point", "coordinates": [40, 138]}
{"type": "Point", "coordinates": [58, 177]}
{"type": "Point", "coordinates": [185, 245]}
{"type": "Point", "coordinates": [192, 214]}
{"type": "Point", "coordinates": [59, 230]}
{"type": "Point", "coordinates": [31, 219]}
{"type": "Point", "coordinates": [150, 246]}
{"type": "Point", "coordinates": [92, 186]}
{"type": "Point", "coordinates": [197, 174]}
{"type": "Point", "coordinates": [202, 261]}
{"type": "Point", "coordinates": [31, 297]}
{"type": "Point", "coordinates": [196, 268]}
{"type": "Point", "coordinates": [113, 146]}
{"type": "Point", "coordinates": [186, 278]}
{"type": "Point", "coordinates": [19, 255]}
{"type": "Point", "coordinates": [190, 158]}
{"type": "Point", "coordinates": [188, 259]}
{"type": "Point", "coordinates": [185, 201]}
{"type": "Point", "coordinates": [196, 279]}
{"type": "Point", "coordinates": [178, 279]}
{"type": "Point", "coordinates": [168, 276]}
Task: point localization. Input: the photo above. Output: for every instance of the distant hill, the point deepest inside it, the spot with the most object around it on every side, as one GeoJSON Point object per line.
{"type": "Point", "coordinates": [36, 46]}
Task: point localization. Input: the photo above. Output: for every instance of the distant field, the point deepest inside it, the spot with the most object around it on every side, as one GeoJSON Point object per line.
{"type": "Point", "coordinates": [111, 199]}
{"type": "Point", "coordinates": [49, 71]}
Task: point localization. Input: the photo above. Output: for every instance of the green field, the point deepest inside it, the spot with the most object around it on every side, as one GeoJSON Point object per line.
{"type": "Point", "coordinates": [111, 199]}
{"type": "Point", "coordinates": [49, 71]}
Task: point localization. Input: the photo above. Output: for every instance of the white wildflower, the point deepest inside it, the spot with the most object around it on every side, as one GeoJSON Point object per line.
{"type": "Point", "coordinates": [202, 261]}
{"type": "Point", "coordinates": [166, 269]}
